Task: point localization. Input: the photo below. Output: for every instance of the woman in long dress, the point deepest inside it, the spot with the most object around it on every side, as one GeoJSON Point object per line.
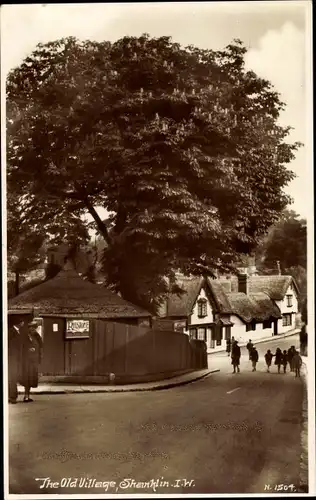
{"type": "Point", "coordinates": [31, 355]}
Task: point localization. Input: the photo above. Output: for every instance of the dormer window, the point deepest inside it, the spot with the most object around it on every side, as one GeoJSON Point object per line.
{"type": "Point", "coordinates": [202, 308]}
{"type": "Point", "coordinates": [289, 300]}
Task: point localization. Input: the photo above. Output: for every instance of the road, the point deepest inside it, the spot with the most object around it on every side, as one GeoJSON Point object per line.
{"type": "Point", "coordinates": [227, 433]}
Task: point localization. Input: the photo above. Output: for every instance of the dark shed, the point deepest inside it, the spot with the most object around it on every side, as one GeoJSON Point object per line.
{"type": "Point", "coordinates": [81, 322]}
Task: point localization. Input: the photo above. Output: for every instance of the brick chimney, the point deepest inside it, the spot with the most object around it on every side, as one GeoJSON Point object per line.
{"type": "Point", "coordinates": [243, 283]}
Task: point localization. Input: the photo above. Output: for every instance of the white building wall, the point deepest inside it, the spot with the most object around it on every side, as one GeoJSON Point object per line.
{"type": "Point", "coordinates": [195, 320]}
{"type": "Point", "coordinates": [285, 309]}
{"type": "Point", "coordinates": [240, 333]}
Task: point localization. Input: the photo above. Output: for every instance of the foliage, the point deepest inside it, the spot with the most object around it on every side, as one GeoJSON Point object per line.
{"type": "Point", "coordinates": [285, 242]}
{"type": "Point", "coordinates": [180, 145]}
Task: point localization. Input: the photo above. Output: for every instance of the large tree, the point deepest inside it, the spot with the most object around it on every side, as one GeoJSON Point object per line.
{"type": "Point", "coordinates": [284, 249]}
{"type": "Point", "coordinates": [285, 242]}
{"type": "Point", "coordinates": [181, 146]}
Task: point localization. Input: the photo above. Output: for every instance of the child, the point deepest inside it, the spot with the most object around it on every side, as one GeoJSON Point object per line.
{"type": "Point", "coordinates": [249, 348]}
{"type": "Point", "coordinates": [284, 361]}
{"type": "Point", "coordinates": [297, 363]}
{"type": "Point", "coordinates": [254, 357]}
{"type": "Point", "coordinates": [278, 358]}
{"type": "Point", "coordinates": [268, 357]}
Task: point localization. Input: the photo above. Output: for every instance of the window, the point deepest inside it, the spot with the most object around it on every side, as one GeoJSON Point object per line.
{"type": "Point", "coordinates": [287, 320]}
{"type": "Point", "coordinates": [251, 326]}
{"type": "Point", "coordinates": [212, 344]}
{"type": "Point", "coordinates": [218, 341]}
{"type": "Point", "coordinates": [267, 324]}
{"type": "Point", "coordinates": [201, 334]}
{"type": "Point", "coordinates": [202, 308]}
{"type": "Point", "coordinates": [193, 333]}
{"type": "Point", "coordinates": [289, 300]}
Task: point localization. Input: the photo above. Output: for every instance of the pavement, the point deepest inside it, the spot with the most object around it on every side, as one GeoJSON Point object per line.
{"type": "Point", "coordinates": [222, 434]}
{"type": "Point", "coordinates": [59, 388]}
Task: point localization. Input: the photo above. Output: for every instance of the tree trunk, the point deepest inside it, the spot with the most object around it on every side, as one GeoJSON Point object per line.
{"type": "Point", "coordinates": [100, 224]}
{"type": "Point", "coordinates": [17, 282]}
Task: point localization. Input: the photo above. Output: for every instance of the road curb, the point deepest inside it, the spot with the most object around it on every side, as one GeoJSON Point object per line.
{"type": "Point", "coordinates": [303, 475]}
{"type": "Point", "coordinates": [167, 385]}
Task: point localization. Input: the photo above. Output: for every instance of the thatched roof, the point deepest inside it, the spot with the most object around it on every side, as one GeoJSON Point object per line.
{"type": "Point", "coordinates": [258, 305]}
{"type": "Point", "coordinates": [275, 286]}
{"type": "Point", "coordinates": [181, 305]}
{"type": "Point", "coordinates": [69, 295]}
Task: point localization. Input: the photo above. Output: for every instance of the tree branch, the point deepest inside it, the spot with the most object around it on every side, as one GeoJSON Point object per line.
{"type": "Point", "coordinates": [100, 224]}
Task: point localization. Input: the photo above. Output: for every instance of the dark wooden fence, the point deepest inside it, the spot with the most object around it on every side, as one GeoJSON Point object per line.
{"type": "Point", "coordinates": [132, 353]}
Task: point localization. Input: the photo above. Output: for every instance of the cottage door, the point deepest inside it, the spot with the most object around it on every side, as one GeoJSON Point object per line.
{"type": "Point", "coordinates": [275, 327]}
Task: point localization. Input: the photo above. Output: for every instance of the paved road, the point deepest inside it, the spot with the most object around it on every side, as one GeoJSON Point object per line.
{"type": "Point", "coordinates": [224, 434]}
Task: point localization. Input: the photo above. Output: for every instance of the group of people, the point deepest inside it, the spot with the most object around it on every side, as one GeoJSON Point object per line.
{"type": "Point", "coordinates": [290, 357]}
{"type": "Point", "coordinates": [24, 357]}
{"type": "Point", "coordinates": [282, 359]}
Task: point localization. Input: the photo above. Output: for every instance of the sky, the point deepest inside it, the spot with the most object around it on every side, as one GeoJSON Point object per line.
{"type": "Point", "coordinates": [276, 34]}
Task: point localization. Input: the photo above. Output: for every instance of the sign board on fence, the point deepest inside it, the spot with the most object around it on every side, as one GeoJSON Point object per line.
{"type": "Point", "coordinates": [77, 328]}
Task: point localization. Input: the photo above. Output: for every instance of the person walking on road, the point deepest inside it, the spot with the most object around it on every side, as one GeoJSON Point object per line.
{"type": "Point", "coordinates": [31, 347]}
{"type": "Point", "coordinates": [249, 348]}
{"type": "Point", "coordinates": [284, 361]}
{"type": "Point", "coordinates": [254, 357]}
{"type": "Point", "coordinates": [236, 356]}
{"type": "Point", "coordinates": [278, 358]}
{"type": "Point", "coordinates": [290, 354]}
{"type": "Point", "coordinates": [228, 346]}
{"type": "Point", "coordinates": [297, 363]}
{"type": "Point", "coordinates": [268, 358]}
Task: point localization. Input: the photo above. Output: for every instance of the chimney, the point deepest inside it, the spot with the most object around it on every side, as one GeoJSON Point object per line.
{"type": "Point", "coordinates": [243, 283]}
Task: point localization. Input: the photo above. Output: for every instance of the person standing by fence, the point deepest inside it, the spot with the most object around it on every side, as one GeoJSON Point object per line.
{"type": "Point", "coordinates": [31, 347]}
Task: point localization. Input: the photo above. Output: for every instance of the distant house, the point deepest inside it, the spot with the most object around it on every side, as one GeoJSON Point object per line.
{"type": "Point", "coordinates": [242, 307]}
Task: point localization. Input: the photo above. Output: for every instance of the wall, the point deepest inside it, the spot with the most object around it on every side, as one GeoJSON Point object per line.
{"type": "Point", "coordinates": [194, 316]}
{"type": "Point", "coordinates": [240, 333]}
{"type": "Point", "coordinates": [282, 305]}
{"type": "Point", "coordinates": [133, 353]}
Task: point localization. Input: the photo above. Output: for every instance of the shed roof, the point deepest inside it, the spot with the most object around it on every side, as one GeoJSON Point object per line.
{"type": "Point", "coordinates": [68, 294]}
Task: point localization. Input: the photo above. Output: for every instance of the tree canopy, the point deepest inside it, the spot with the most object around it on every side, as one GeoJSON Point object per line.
{"type": "Point", "coordinates": [181, 146]}
{"type": "Point", "coordinates": [286, 243]}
